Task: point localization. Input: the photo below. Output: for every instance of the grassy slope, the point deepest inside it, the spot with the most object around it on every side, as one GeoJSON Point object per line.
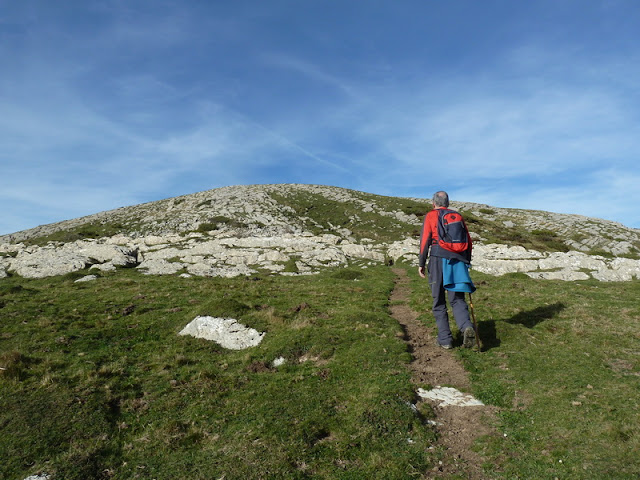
{"type": "Point", "coordinates": [561, 361]}
{"type": "Point", "coordinates": [98, 384]}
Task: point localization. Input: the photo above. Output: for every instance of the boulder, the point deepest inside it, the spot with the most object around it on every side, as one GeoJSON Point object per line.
{"type": "Point", "coordinates": [227, 332]}
{"type": "Point", "coordinates": [104, 267]}
{"type": "Point", "coordinates": [47, 263]}
{"type": "Point", "coordinates": [86, 278]}
{"type": "Point", "coordinates": [352, 250]}
{"type": "Point", "coordinates": [205, 270]}
{"type": "Point", "coordinates": [103, 253]}
{"type": "Point", "coordinates": [159, 266]}
{"type": "Point", "coordinates": [408, 247]}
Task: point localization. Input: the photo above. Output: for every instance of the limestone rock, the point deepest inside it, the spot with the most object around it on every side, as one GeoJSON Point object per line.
{"type": "Point", "coordinates": [254, 229]}
{"type": "Point", "coordinates": [227, 332]}
{"type": "Point", "coordinates": [47, 263]}
{"type": "Point", "coordinates": [159, 266]}
{"type": "Point", "coordinates": [86, 278]}
{"type": "Point", "coordinates": [104, 267]}
{"type": "Point", "coordinates": [567, 275]}
{"type": "Point", "coordinates": [362, 251]}
{"type": "Point", "coordinates": [406, 249]}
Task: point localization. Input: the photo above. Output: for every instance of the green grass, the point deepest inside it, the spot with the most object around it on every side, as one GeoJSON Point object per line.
{"type": "Point", "coordinates": [91, 230]}
{"type": "Point", "coordinates": [320, 214]}
{"type": "Point", "coordinates": [561, 361]}
{"type": "Point", "coordinates": [97, 383]}
{"type": "Point", "coordinates": [494, 231]}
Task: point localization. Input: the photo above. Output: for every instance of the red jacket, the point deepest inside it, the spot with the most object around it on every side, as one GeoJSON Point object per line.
{"type": "Point", "coordinates": [429, 239]}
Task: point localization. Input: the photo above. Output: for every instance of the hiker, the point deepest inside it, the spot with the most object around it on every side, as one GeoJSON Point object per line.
{"type": "Point", "coordinates": [429, 247]}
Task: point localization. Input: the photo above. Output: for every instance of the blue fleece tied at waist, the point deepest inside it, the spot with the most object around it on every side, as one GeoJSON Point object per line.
{"type": "Point", "coordinates": [455, 276]}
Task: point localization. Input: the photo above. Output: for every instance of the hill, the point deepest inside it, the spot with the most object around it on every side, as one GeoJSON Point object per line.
{"type": "Point", "coordinates": [99, 380]}
{"type": "Point", "coordinates": [240, 230]}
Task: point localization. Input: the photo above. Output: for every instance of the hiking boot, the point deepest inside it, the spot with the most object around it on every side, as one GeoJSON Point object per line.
{"type": "Point", "coordinates": [446, 347]}
{"type": "Point", "coordinates": [469, 338]}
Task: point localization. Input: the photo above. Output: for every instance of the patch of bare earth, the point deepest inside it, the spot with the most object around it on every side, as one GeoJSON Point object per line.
{"type": "Point", "coordinates": [457, 427]}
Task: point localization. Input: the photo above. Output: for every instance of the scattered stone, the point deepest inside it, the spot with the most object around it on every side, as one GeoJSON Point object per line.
{"type": "Point", "coordinates": [448, 396]}
{"type": "Point", "coordinates": [104, 267]}
{"type": "Point", "coordinates": [86, 278]}
{"type": "Point", "coordinates": [279, 362]}
{"type": "Point", "coordinates": [227, 332]}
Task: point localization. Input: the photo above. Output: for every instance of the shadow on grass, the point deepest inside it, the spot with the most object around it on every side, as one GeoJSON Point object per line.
{"type": "Point", "coordinates": [528, 319]}
{"type": "Point", "coordinates": [487, 334]}
{"type": "Point", "coordinates": [533, 317]}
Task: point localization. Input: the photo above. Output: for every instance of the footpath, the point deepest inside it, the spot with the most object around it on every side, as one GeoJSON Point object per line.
{"type": "Point", "coordinates": [457, 426]}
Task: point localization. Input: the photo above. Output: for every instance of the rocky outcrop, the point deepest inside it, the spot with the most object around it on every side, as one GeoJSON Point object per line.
{"type": "Point", "coordinates": [207, 255]}
{"type": "Point", "coordinates": [50, 260]}
{"type": "Point", "coordinates": [236, 231]}
{"type": "Point", "coordinates": [501, 259]}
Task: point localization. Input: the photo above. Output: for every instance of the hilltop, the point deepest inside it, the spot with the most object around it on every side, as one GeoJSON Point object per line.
{"type": "Point", "coordinates": [297, 229]}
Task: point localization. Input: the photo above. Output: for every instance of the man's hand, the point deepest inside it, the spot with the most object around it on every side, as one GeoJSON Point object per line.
{"type": "Point", "coordinates": [421, 272]}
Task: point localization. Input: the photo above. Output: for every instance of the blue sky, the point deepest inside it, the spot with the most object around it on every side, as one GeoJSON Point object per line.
{"type": "Point", "coordinates": [110, 103]}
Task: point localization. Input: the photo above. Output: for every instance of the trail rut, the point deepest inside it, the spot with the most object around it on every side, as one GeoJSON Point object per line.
{"type": "Point", "coordinates": [457, 427]}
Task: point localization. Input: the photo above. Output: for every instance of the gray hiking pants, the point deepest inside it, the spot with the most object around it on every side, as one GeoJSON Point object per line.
{"type": "Point", "coordinates": [456, 299]}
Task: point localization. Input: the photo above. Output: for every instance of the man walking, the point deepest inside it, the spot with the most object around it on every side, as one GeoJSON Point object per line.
{"type": "Point", "coordinates": [429, 248]}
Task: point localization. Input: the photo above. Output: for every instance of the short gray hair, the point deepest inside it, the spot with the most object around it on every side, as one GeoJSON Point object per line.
{"type": "Point", "coordinates": [441, 199]}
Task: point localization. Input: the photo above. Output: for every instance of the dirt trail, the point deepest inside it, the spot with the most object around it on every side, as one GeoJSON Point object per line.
{"type": "Point", "coordinates": [457, 427]}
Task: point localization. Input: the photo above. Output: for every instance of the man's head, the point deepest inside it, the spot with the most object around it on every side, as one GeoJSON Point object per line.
{"type": "Point", "coordinates": [440, 199]}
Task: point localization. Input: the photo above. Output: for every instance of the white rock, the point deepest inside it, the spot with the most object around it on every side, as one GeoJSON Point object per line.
{"type": "Point", "coordinates": [153, 240]}
{"type": "Point", "coordinates": [448, 396]}
{"type": "Point", "coordinates": [160, 267]}
{"type": "Point", "coordinates": [204, 270]}
{"type": "Point", "coordinates": [4, 266]}
{"type": "Point", "coordinates": [567, 275]}
{"type": "Point", "coordinates": [573, 260]}
{"type": "Point", "coordinates": [500, 267]}
{"type": "Point", "coordinates": [47, 263]}
{"type": "Point", "coordinates": [361, 251]}
{"type": "Point", "coordinates": [407, 247]}
{"type": "Point", "coordinates": [279, 361]}
{"type": "Point", "coordinates": [103, 253]}
{"type": "Point", "coordinates": [227, 332]}
{"type": "Point", "coordinates": [119, 240]}
{"type": "Point", "coordinates": [86, 278]}
{"type": "Point", "coordinates": [104, 267]}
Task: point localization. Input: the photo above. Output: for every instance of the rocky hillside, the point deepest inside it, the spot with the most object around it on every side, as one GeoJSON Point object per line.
{"type": "Point", "coordinates": [297, 229]}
